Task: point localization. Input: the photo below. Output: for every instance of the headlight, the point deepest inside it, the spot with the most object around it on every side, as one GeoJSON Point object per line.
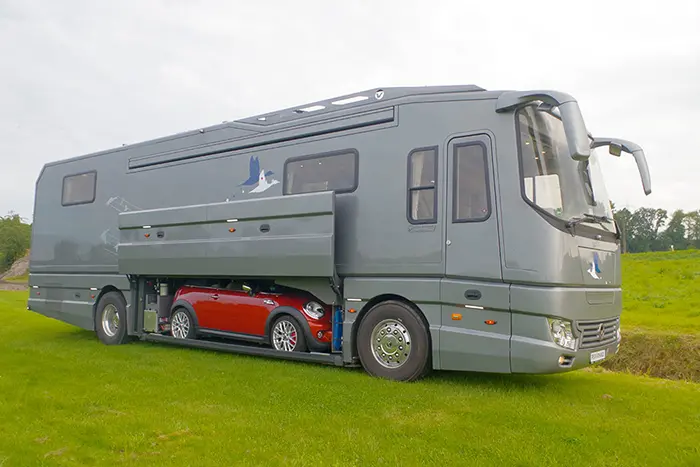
{"type": "Point", "coordinates": [561, 333]}
{"type": "Point", "coordinates": [314, 310]}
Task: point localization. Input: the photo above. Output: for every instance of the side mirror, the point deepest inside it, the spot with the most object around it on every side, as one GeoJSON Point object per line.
{"type": "Point", "coordinates": [615, 149]}
{"type": "Point", "coordinates": [619, 145]}
{"type": "Point", "coordinates": [568, 109]}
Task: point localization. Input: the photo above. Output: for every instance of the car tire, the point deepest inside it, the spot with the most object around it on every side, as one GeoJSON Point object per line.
{"type": "Point", "coordinates": [110, 319]}
{"type": "Point", "coordinates": [393, 342]}
{"type": "Point", "coordinates": [284, 329]}
{"type": "Point", "coordinates": [182, 325]}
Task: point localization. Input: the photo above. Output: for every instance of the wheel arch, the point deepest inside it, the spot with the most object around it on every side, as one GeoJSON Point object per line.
{"type": "Point", "coordinates": [383, 298]}
{"type": "Point", "coordinates": [187, 306]}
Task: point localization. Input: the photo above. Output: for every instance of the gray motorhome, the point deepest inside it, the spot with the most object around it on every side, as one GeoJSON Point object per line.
{"type": "Point", "coordinates": [475, 222]}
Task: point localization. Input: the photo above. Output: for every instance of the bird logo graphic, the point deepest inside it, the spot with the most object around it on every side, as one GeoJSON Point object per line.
{"type": "Point", "coordinates": [594, 267]}
{"type": "Point", "coordinates": [258, 177]}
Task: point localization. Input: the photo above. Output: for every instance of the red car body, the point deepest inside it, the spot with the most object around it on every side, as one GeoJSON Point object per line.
{"type": "Point", "coordinates": [238, 314]}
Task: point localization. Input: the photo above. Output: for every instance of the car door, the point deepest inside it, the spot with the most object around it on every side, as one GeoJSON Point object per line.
{"type": "Point", "coordinates": [242, 313]}
{"type": "Point", "coordinates": [210, 310]}
{"type": "Point", "coordinates": [475, 331]}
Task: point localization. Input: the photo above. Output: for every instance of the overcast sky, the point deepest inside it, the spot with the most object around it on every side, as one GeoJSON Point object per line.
{"type": "Point", "coordinates": [81, 76]}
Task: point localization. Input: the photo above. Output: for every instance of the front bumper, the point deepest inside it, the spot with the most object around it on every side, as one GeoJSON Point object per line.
{"type": "Point", "coordinates": [538, 356]}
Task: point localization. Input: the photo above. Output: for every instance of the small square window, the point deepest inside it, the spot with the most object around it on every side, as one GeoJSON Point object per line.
{"type": "Point", "coordinates": [79, 188]}
{"type": "Point", "coordinates": [422, 185]}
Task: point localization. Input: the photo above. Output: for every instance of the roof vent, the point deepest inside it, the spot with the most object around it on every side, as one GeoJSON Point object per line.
{"type": "Point", "coordinates": [313, 108]}
{"type": "Point", "coordinates": [350, 100]}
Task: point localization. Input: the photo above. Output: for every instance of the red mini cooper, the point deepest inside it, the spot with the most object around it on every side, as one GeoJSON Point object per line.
{"type": "Point", "coordinates": [287, 319]}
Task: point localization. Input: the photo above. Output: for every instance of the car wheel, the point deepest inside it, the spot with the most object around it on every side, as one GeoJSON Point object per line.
{"type": "Point", "coordinates": [393, 342]}
{"type": "Point", "coordinates": [110, 319]}
{"type": "Point", "coordinates": [287, 335]}
{"type": "Point", "coordinates": [182, 324]}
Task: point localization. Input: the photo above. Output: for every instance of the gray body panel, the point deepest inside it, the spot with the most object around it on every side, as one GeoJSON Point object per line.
{"type": "Point", "coordinates": [198, 241]}
{"type": "Point", "coordinates": [523, 268]}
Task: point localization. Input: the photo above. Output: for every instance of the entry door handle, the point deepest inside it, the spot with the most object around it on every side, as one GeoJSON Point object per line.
{"type": "Point", "coordinates": [215, 296]}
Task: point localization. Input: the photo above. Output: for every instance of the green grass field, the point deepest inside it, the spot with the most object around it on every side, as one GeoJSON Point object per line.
{"type": "Point", "coordinates": [661, 292]}
{"type": "Point", "coordinates": [661, 315]}
{"type": "Point", "coordinates": [66, 399]}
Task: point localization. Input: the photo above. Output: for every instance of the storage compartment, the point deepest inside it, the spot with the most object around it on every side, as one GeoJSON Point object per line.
{"type": "Point", "coordinates": [285, 236]}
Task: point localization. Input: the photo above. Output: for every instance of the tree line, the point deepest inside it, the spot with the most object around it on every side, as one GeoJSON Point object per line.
{"type": "Point", "coordinates": [649, 229]}
{"type": "Point", "coordinates": [15, 238]}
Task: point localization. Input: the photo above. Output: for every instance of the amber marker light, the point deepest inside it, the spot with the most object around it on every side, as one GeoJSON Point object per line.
{"type": "Point", "coordinates": [456, 316]}
{"type": "Point", "coordinates": [490, 322]}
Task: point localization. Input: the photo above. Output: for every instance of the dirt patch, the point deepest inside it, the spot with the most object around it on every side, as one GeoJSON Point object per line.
{"type": "Point", "coordinates": [670, 356]}
{"type": "Point", "coordinates": [15, 286]}
{"type": "Point", "coordinates": [19, 268]}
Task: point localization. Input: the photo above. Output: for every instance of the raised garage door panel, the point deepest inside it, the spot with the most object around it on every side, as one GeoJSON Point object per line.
{"type": "Point", "coordinates": [197, 241]}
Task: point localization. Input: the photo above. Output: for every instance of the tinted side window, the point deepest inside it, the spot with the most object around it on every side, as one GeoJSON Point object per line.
{"type": "Point", "coordinates": [422, 186]}
{"type": "Point", "coordinates": [79, 188]}
{"type": "Point", "coordinates": [329, 172]}
{"type": "Point", "coordinates": [471, 193]}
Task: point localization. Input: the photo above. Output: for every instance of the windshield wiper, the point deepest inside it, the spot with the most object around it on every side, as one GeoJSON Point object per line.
{"type": "Point", "coordinates": [589, 218]}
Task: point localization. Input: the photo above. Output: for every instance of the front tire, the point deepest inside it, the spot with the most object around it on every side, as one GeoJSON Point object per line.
{"type": "Point", "coordinates": [393, 342]}
{"type": "Point", "coordinates": [110, 319]}
{"type": "Point", "coordinates": [287, 335]}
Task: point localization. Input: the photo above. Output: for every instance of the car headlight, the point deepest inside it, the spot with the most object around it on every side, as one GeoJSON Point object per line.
{"type": "Point", "coordinates": [314, 310]}
{"type": "Point", "coordinates": [561, 333]}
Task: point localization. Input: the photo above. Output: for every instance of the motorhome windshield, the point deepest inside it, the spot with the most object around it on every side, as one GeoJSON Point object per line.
{"type": "Point", "coordinates": [552, 180]}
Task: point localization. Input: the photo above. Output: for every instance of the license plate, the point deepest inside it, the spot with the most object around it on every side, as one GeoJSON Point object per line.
{"type": "Point", "coordinates": [597, 356]}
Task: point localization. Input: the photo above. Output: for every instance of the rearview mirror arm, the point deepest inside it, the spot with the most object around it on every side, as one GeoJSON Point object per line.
{"type": "Point", "coordinates": [574, 126]}
{"type": "Point", "coordinates": [636, 151]}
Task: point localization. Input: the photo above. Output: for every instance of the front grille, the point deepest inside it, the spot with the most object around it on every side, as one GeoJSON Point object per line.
{"type": "Point", "coordinates": [598, 333]}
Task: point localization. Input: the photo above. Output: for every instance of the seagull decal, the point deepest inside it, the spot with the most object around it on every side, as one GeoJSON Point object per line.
{"type": "Point", "coordinates": [254, 171]}
{"type": "Point", "coordinates": [258, 176]}
{"type": "Point", "coordinates": [263, 184]}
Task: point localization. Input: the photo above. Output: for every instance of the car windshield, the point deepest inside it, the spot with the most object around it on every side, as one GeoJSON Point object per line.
{"type": "Point", "coordinates": [552, 180]}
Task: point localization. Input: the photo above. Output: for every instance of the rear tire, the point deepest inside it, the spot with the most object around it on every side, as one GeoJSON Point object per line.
{"type": "Point", "coordinates": [110, 319]}
{"type": "Point", "coordinates": [182, 325]}
{"type": "Point", "coordinates": [393, 342]}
